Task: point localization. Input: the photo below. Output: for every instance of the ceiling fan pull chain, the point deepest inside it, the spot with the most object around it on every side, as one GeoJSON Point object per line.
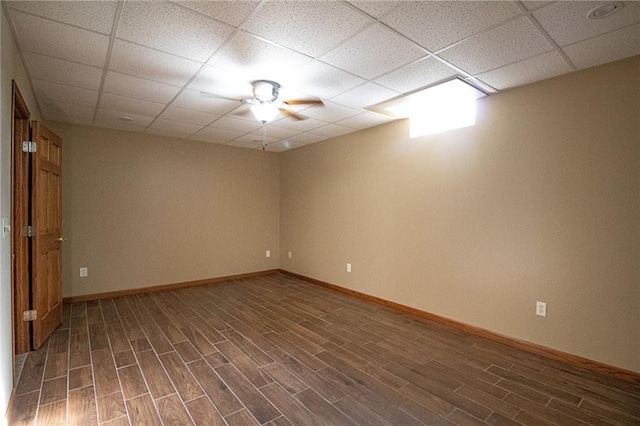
{"type": "Point", "coordinates": [264, 136]}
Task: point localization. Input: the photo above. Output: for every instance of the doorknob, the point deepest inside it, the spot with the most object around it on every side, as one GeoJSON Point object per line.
{"type": "Point", "coordinates": [61, 239]}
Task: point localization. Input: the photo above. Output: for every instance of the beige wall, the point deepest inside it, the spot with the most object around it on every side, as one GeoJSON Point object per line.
{"type": "Point", "coordinates": [539, 201]}
{"type": "Point", "coordinates": [142, 210]}
{"type": "Point", "coordinates": [11, 68]}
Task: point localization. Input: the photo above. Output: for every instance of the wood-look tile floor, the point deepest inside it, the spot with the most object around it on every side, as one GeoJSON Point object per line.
{"type": "Point", "coordinates": [275, 350]}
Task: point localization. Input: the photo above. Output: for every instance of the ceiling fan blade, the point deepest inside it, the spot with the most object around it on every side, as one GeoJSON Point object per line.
{"type": "Point", "coordinates": [291, 114]}
{"type": "Point", "coordinates": [211, 95]}
{"type": "Point", "coordinates": [303, 102]}
{"type": "Point", "coordinates": [242, 113]}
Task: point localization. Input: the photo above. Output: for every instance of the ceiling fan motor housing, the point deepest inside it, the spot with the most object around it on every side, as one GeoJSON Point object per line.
{"type": "Point", "coordinates": [266, 90]}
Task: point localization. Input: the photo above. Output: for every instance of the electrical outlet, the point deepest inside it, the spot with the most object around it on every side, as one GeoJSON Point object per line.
{"type": "Point", "coordinates": [541, 309]}
{"type": "Point", "coordinates": [268, 253]}
{"type": "Point", "coordinates": [84, 272]}
{"type": "Point", "coordinates": [289, 255]}
{"type": "Point", "coordinates": [348, 267]}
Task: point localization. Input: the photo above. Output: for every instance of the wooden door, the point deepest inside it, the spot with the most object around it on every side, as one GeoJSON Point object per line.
{"type": "Point", "coordinates": [46, 249]}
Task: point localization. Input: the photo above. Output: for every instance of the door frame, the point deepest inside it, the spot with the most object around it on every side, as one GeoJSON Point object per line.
{"type": "Point", "coordinates": [20, 272]}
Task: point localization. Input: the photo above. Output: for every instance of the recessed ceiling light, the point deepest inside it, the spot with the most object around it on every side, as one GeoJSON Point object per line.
{"type": "Point", "coordinates": [605, 10]}
{"type": "Point", "coordinates": [125, 118]}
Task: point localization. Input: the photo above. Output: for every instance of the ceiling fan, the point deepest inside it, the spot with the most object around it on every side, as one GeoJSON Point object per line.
{"type": "Point", "coordinates": [265, 104]}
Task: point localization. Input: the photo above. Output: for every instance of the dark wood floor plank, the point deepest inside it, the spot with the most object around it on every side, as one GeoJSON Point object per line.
{"type": "Point", "coordinates": [204, 413]}
{"type": "Point", "coordinates": [79, 350]}
{"type": "Point", "coordinates": [217, 390]}
{"type": "Point", "coordinates": [111, 407]}
{"type": "Point", "coordinates": [357, 412]}
{"type": "Point", "coordinates": [497, 419]}
{"type": "Point", "coordinates": [59, 342]}
{"type": "Point", "coordinates": [80, 377]}
{"type": "Point", "coordinates": [132, 382]}
{"type": "Point", "coordinates": [124, 358]}
{"type": "Point", "coordinates": [488, 401]}
{"type": "Point", "coordinates": [184, 382]}
{"type": "Point", "coordinates": [98, 337]}
{"type": "Point", "coordinates": [241, 418]}
{"type": "Point", "coordinates": [308, 376]}
{"type": "Point", "coordinates": [157, 380]}
{"type": "Point", "coordinates": [197, 339]}
{"type": "Point", "coordinates": [545, 413]}
{"type": "Point", "coordinates": [295, 351]}
{"type": "Point", "coordinates": [57, 365]}
{"type": "Point", "coordinates": [252, 351]}
{"type": "Point", "coordinates": [53, 390]}
{"type": "Point", "coordinates": [284, 378]}
{"type": "Point", "coordinates": [255, 402]}
{"type": "Point", "coordinates": [537, 386]}
{"type": "Point", "coordinates": [142, 411]}
{"type": "Point", "coordinates": [104, 373]}
{"type": "Point", "coordinates": [244, 364]}
{"type": "Point", "coordinates": [292, 409]}
{"type": "Point", "coordinates": [156, 338]}
{"type": "Point", "coordinates": [423, 414]}
{"type": "Point", "coordinates": [186, 351]}
{"type": "Point", "coordinates": [117, 337]}
{"type": "Point", "coordinates": [319, 406]}
{"type": "Point", "coordinates": [81, 407]}
{"type": "Point", "coordinates": [32, 372]}
{"type": "Point", "coordinates": [24, 409]}
{"type": "Point", "coordinates": [53, 414]}
{"type": "Point", "coordinates": [172, 411]}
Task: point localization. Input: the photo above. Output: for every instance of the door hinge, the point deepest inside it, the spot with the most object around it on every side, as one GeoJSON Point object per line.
{"type": "Point", "coordinates": [29, 146]}
{"type": "Point", "coordinates": [29, 231]}
{"type": "Point", "coordinates": [31, 315]}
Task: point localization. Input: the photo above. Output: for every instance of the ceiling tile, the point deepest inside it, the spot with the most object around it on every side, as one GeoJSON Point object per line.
{"type": "Point", "coordinates": [375, 8]}
{"type": "Point", "coordinates": [172, 28]}
{"type": "Point", "coordinates": [256, 137]}
{"type": "Point", "coordinates": [173, 128]}
{"type": "Point", "coordinates": [202, 101]}
{"type": "Point", "coordinates": [60, 71]}
{"type": "Point", "coordinates": [512, 42]}
{"type": "Point", "coordinates": [230, 12]}
{"type": "Point", "coordinates": [151, 64]}
{"type": "Point", "coordinates": [365, 95]}
{"type": "Point", "coordinates": [236, 124]}
{"type": "Point", "coordinates": [605, 48]}
{"type": "Point", "coordinates": [188, 116]}
{"type": "Point", "coordinates": [71, 119]}
{"type": "Point", "coordinates": [282, 146]}
{"type": "Point", "coordinates": [109, 116]}
{"type": "Point", "coordinates": [365, 120]}
{"type": "Point", "coordinates": [533, 69]}
{"type": "Point", "coordinates": [332, 130]}
{"type": "Point", "coordinates": [437, 24]}
{"type": "Point", "coordinates": [309, 27]}
{"type": "Point", "coordinates": [373, 52]}
{"type": "Point", "coordinates": [307, 138]}
{"type": "Point", "coordinates": [215, 135]}
{"type": "Point", "coordinates": [299, 125]}
{"type": "Point", "coordinates": [120, 125]}
{"type": "Point", "coordinates": [91, 15]}
{"type": "Point", "coordinates": [324, 81]}
{"type": "Point", "coordinates": [280, 132]}
{"type": "Point", "coordinates": [222, 83]}
{"type": "Point", "coordinates": [130, 105]}
{"type": "Point", "coordinates": [567, 22]}
{"type": "Point", "coordinates": [59, 40]}
{"type": "Point", "coordinates": [417, 75]}
{"type": "Point", "coordinates": [61, 109]}
{"type": "Point", "coordinates": [253, 59]}
{"type": "Point", "coordinates": [245, 144]}
{"type": "Point", "coordinates": [329, 112]}
{"type": "Point", "coordinates": [535, 4]}
{"type": "Point", "coordinates": [60, 92]}
{"type": "Point", "coordinates": [135, 87]}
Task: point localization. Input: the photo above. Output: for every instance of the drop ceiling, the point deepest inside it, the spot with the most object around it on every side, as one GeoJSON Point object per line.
{"type": "Point", "coordinates": [181, 68]}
